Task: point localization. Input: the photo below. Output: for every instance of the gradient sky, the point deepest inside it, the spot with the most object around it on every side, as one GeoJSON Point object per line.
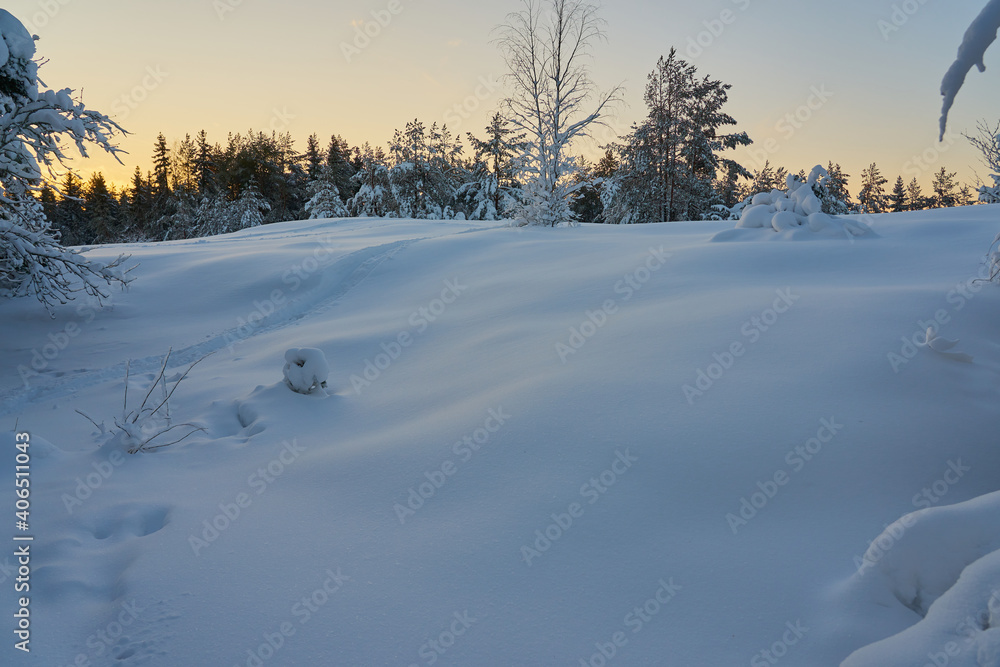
{"type": "Point", "coordinates": [230, 65]}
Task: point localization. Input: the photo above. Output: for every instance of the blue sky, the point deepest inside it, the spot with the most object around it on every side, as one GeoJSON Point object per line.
{"type": "Point", "coordinates": [229, 65]}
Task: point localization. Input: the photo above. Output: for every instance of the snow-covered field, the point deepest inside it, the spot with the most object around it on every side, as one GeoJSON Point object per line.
{"type": "Point", "coordinates": [601, 445]}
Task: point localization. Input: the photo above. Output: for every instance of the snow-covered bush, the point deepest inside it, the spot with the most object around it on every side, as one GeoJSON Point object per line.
{"type": "Point", "coordinates": [33, 125]}
{"type": "Point", "coordinates": [798, 207]}
{"type": "Point", "coordinates": [306, 370]}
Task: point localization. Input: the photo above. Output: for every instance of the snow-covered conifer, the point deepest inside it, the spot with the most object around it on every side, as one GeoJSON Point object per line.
{"type": "Point", "coordinates": [34, 124]}
{"type": "Point", "coordinates": [325, 201]}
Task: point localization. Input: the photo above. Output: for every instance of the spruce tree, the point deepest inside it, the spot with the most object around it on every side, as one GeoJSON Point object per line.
{"type": "Point", "coordinates": [897, 198]}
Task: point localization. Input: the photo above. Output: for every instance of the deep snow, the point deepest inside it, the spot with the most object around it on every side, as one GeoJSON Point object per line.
{"type": "Point", "coordinates": [535, 446]}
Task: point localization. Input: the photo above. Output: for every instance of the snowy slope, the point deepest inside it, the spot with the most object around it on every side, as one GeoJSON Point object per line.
{"type": "Point", "coordinates": [522, 470]}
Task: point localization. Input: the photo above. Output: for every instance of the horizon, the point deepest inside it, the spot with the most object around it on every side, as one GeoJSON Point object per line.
{"type": "Point", "coordinates": [874, 99]}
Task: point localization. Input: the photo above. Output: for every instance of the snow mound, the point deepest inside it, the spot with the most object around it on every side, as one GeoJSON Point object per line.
{"type": "Point", "coordinates": [944, 564]}
{"type": "Point", "coordinates": [306, 370]}
{"type": "Point", "coordinates": [795, 214]}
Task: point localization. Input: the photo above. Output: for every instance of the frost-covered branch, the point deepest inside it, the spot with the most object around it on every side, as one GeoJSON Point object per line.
{"type": "Point", "coordinates": [35, 125]}
{"type": "Point", "coordinates": [980, 35]}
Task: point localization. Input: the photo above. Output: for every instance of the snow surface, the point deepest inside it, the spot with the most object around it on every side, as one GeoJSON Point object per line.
{"type": "Point", "coordinates": [535, 446]}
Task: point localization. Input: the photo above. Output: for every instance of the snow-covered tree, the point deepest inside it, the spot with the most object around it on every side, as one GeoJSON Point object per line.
{"type": "Point", "coordinates": [374, 197]}
{"type": "Point", "coordinates": [834, 194]}
{"type": "Point", "coordinates": [325, 201]}
{"type": "Point", "coordinates": [250, 208]}
{"type": "Point", "coordinates": [34, 124]}
{"type": "Point", "coordinates": [872, 197]}
{"type": "Point", "coordinates": [915, 200]}
{"type": "Point", "coordinates": [491, 191]}
{"type": "Point", "coordinates": [425, 170]}
{"type": "Point", "coordinates": [546, 46]}
{"type": "Point", "coordinates": [670, 161]}
{"type": "Point", "coordinates": [944, 189]}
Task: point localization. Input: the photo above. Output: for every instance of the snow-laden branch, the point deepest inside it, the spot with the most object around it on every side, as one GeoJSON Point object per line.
{"type": "Point", "coordinates": [980, 35]}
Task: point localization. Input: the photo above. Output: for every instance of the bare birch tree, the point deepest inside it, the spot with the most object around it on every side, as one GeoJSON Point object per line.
{"type": "Point", "coordinates": [547, 48]}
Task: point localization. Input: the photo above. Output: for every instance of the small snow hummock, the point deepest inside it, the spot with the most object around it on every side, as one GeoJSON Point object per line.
{"type": "Point", "coordinates": [799, 208]}
{"type": "Point", "coordinates": [306, 370]}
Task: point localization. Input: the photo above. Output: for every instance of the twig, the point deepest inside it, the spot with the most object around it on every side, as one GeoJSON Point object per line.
{"type": "Point", "coordinates": [85, 416]}
{"type": "Point", "coordinates": [153, 386]}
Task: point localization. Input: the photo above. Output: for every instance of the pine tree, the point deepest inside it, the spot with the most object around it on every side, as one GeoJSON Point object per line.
{"type": "Point", "coordinates": [872, 198]}
{"type": "Point", "coordinates": [915, 200]}
{"type": "Point", "coordinates": [835, 196]}
{"type": "Point", "coordinates": [491, 193]}
{"type": "Point", "coordinates": [965, 196]}
{"type": "Point", "coordinates": [765, 180]}
{"type": "Point", "coordinates": [341, 170]}
{"type": "Point", "coordinates": [944, 189]}
{"type": "Point", "coordinates": [670, 162]}
{"type": "Point", "coordinates": [897, 198]}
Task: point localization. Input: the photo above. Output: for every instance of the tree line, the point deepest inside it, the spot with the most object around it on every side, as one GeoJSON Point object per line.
{"type": "Point", "coordinates": [672, 165]}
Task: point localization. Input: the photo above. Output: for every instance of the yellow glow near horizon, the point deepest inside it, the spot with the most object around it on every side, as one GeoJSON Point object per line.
{"type": "Point", "coordinates": [362, 70]}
